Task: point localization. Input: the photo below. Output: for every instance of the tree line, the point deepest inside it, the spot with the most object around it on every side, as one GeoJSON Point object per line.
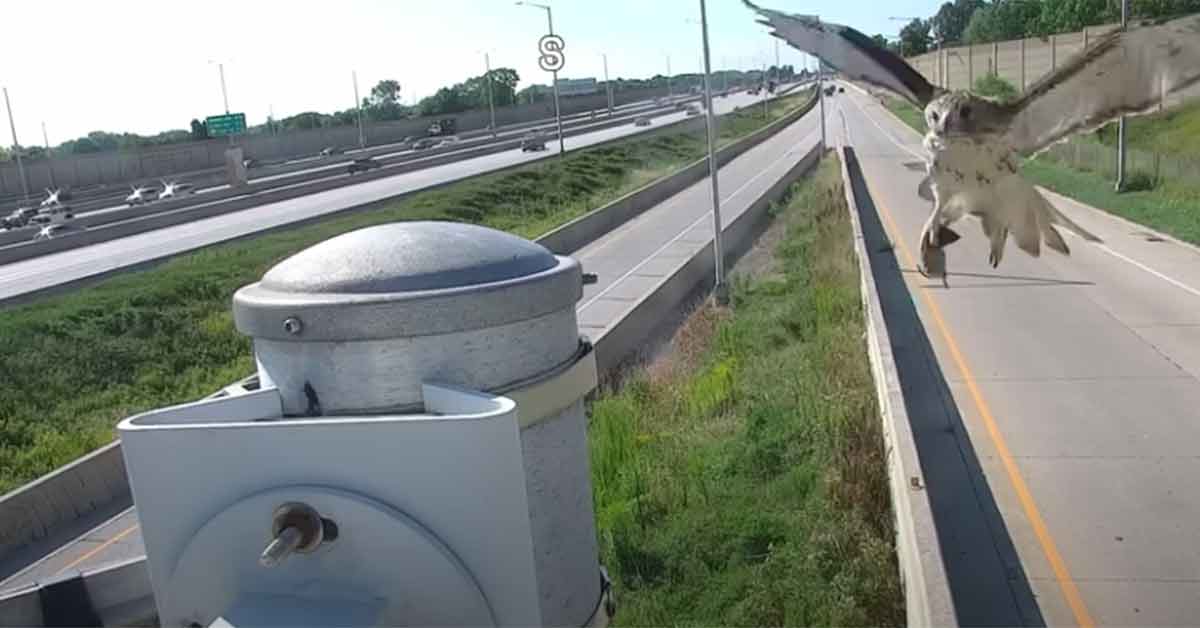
{"type": "Point", "coordinates": [981, 21]}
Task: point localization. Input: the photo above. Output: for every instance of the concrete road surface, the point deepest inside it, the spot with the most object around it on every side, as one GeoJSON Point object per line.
{"type": "Point", "coordinates": [1055, 402]}
{"type": "Point", "coordinates": [629, 262]}
{"type": "Point", "coordinates": [47, 271]}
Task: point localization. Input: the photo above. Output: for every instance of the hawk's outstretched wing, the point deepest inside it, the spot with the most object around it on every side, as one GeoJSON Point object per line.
{"type": "Point", "coordinates": [850, 52]}
{"type": "Point", "coordinates": [1124, 73]}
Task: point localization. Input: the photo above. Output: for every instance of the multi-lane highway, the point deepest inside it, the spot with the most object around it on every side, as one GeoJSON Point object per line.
{"type": "Point", "coordinates": [629, 262]}
{"type": "Point", "coordinates": [40, 273]}
{"type": "Point", "coordinates": [1055, 403]}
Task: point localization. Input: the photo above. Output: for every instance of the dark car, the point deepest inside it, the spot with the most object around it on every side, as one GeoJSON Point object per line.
{"type": "Point", "coordinates": [533, 142]}
{"type": "Point", "coordinates": [331, 150]}
{"type": "Point", "coordinates": [363, 164]}
{"type": "Point", "coordinates": [426, 142]}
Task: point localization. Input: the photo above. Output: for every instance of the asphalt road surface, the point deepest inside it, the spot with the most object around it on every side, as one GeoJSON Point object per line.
{"type": "Point", "coordinates": [1055, 403]}
{"type": "Point", "coordinates": [629, 262]}
{"type": "Point", "coordinates": [46, 271]}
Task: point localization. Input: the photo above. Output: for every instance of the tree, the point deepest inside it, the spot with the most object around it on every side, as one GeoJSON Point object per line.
{"type": "Point", "coordinates": [952, 19]}
{"type": "Point", "coordinates": [880, 40]}
{"type": "Point", "coordinates": [199, 130]}
{"type": "Point", "coordinates": [383, 103]}
{"type": "Point", "coordinates": [1006, 19]}
{"type": "Point", "coordinates": [914, 38]}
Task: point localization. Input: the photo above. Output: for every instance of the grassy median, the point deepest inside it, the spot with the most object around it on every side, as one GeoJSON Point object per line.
{"type": "Point", "coordinates": [740, 480]}
{"type": "Point", "coordinates": [72, 366]}
{"type": "Point", "coordinates": [1170, 206]}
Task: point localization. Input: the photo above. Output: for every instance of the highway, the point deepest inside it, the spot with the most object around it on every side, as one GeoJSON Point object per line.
{"type": "Point", "coordinates": [629, 261]}
{"type": "Point", "coordinates": [1055, 402]}
{"type": "Point", "coordinates": [46, 271]}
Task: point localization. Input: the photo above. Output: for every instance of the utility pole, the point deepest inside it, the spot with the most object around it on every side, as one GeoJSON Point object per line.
{"type": "Point", "coordinates": [720, 290]}
{"type": "Point", "coordinates": [362, 143]}
{"type": "Point", "coordinates": [669, 92]}
{"type": "Point", "coordinates": [608, 85]}
{"type": "Point", "coordinates": [16, 146]}
{"type": "Point", "coordinates": [224, 93]}
{"type": "Point", "coordinates": [49, 155]}
{"type": "Point", "coordinates": [1120, 184]}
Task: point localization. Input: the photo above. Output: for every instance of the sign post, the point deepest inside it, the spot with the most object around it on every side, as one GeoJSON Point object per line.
{"type": "Point", "coordinates": [551, 59]}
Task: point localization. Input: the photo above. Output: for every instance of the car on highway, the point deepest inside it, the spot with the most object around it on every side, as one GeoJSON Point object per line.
{"type": "Point", "coordinates": [692, 110]}
{"type": "Point", "coordinates": [533, 142]}
{"type": "Point", "coordinates": [426, 142]}
{"type": "Point", "coordinates": [363, 164]}
{"type": "Point", "coordinates": [50, 230]}
{"type": "Point", "coordinates": [20, 217]}
{"type": "Point", "coordinates": [138, 195]}
{"type": "Point", "coordinates": [331, 150]}
{"type": "Point", "coordinates": [641, 121]}
{"type": "Point", "coordinates": [175, 189]}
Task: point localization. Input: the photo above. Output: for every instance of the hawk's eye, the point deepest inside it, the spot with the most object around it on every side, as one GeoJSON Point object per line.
{"type": "Point", "coordinates": [933, 115]}
{"type": "Point", "coordinates": [965, 112]}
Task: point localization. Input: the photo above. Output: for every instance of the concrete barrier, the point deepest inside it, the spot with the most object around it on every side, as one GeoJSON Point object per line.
{"type": "Point", "coordinates": [122, 223]}
{"type": "Point", "coordinates": [927, 597]}
{"type": "Point", "coordinates": [44, 507]}
{"type": "Point", "coordinates": [694, 274]}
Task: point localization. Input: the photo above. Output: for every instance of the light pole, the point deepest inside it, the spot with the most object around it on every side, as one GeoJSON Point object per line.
{"type": "Point", "coordinates": [608, 85]}
{"type": "Point", "coordinates": [362, 143]}
{"type": "Point", "coordinates": [562, 150]}
{"type": "Point", "coordinates": [16, 146]}
{"type": "Point", "coordinates": [49, 155]}
{"type": "Point", "coordinates": [224, 93]}
{"type": "Point", "coordinates": [487, 64]}
{"type": "Point", "coordinates": [719, 289]}
{"type": "Point", "coordinates": [1120, 184]}
{"type": "Point", "coordinates": [669, 92]}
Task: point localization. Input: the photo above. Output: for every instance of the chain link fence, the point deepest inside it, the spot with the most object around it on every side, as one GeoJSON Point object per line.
{"type": "Point", "coordinates": [1142, 166]}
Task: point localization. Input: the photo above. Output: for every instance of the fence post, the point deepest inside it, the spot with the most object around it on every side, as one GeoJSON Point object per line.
{"type": "Point", "coordinates": [970, 66]}
{"type": "Point", "coordinates": [1022, 64]}
{"type": "Point", "coordinates": [995, 58]}
{"type": "Point", "coordinates": [1053, 52]}
{"type": "Point", "coordinates": [1085, 38]}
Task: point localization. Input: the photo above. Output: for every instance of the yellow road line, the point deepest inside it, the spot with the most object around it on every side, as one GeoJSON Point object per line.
{"type": "Point", "coordinates": [1049, 548]}
{"type": "Point", "coordinates": [96, 550]}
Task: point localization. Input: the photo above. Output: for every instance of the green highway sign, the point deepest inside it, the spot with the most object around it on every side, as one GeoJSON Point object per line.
{"type": "Point", "coordinates": [228, 124]}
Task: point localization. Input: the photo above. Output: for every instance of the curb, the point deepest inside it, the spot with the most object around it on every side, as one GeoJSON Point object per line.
{"type": "Point", "coordinates": [927, 597]}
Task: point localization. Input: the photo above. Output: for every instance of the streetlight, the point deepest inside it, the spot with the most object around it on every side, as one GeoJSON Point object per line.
{"type": "Point", "coordinates": [487, 64]}
{"type": "Point", "coordinates": [1120, 184]}
{"type": "Point", "coordinates": [669, 92]}
{"type": "Point", "coordinates": [719, 289]}
{"type": "Point", "coordinates": [49, 155]}
{"type": "Point", "coordinates": [607, 85]}
{"type": "Point", "coordinates": [224, 93]}
{"type": "Point", "coordinates": [16, 146]}
{"type": "Point", "coordinates": [362, 143]}
{"type": "Point", "coordinates": [562, 150]}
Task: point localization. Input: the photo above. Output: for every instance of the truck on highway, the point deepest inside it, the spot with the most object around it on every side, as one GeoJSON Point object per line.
{"type": "Point", "coordinates": [445, 126]}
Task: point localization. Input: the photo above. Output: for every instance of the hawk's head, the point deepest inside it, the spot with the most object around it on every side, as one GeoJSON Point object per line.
{"type": "Point", "coordinates": [963, 114]}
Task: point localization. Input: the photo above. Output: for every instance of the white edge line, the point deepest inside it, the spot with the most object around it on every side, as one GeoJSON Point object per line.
{"type": "Point", "coordinates": [1101, 246]}
{"type": "Point", "coordinates": [693, 225]}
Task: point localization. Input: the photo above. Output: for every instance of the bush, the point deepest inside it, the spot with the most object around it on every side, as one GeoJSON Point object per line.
{"type": "Point", "coordinates": [1140, 182]}
{"type": "Point", "coordinates": [995, 87]}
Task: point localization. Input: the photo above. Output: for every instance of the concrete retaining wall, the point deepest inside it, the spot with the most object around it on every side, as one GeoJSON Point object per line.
{"type": "Point", "coordinates": [927, 597]}
{"type": "Point", "coordinates": [123, 167]}
{"type": "Point", "coordinates": [42, 507]}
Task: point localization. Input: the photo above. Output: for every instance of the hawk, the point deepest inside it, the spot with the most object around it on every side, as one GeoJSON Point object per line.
{"type": "Point", "coordinates": [974, 143]}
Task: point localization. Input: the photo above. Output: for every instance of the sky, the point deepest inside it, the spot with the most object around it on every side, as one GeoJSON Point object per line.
{"type": "Point", "coordinates": [145, 66]}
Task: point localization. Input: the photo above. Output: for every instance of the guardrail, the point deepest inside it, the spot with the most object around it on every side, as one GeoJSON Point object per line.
{"type": "Point", "coordinates": [120, 594]}
{"type": "Point", "coordinates": [927, 597]}
{"type": "Point", "coordinates": [44, 510]}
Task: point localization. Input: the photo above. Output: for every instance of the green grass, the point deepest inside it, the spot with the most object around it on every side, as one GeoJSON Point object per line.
{"type": "Point", "coordinates": [1175, 133]}
{"type": "Point", "coordinates": [743, 483]}
{"type": "Point", "coordinates": [72, 366]}
{"type": "Point", "coordinates": [1170, 206]}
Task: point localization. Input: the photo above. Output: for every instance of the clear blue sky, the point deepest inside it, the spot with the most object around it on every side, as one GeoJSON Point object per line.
{"type": "Point", "coordinates": [142, 65]}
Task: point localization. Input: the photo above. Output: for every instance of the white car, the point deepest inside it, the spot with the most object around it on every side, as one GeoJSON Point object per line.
{"type": "Point", "coordinates": [138, 195]}
{"type": "Point", "coordinates": [175, 189]}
